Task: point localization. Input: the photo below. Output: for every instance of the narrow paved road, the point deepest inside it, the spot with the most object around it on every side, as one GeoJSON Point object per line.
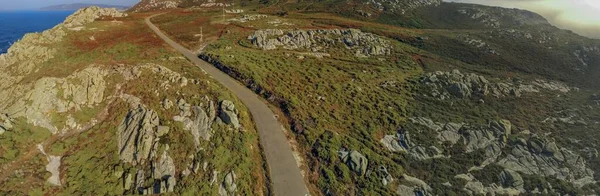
{"type": "Point", "coordinates": [284, 172]}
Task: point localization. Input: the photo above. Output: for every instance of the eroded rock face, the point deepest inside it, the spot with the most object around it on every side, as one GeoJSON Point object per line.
{"type": "Point", "coordinates": [363, 44]}
{"type": "Point", "coordinates": [356, 161]}
{"type": "Point", "coordinates": [444, 85]}
{"type": "Point", "coordinates": [137, 136]}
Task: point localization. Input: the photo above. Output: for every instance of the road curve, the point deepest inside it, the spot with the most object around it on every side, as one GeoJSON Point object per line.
{"type": "Point", "coordinates": [285, 175]}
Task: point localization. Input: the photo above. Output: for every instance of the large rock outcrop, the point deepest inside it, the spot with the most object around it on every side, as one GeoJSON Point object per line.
{"type": "Point", "coordinates": [137, 136]}
{"type": "Point", "coordinates": [197, 119]}
{"type": "Point", "coordinates": [47, 96]}
{"type": "Point", "coordinates": [361, 43]}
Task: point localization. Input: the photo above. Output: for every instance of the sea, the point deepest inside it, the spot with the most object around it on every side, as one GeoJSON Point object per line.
{"type": "Point", "coordinates": [15, 24]}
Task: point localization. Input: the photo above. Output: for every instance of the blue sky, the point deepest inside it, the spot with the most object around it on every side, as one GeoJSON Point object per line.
{"type": "Point", "coordinates": [35, 4]}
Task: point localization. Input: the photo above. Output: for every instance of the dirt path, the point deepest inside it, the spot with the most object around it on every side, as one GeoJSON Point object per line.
{"type": "Point", "coordinates": [283, 171]}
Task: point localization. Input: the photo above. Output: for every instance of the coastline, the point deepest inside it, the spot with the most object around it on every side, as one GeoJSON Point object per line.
{"type": "Point", "coordinates": [17, 23]}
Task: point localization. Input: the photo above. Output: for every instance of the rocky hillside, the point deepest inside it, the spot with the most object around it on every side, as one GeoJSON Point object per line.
{"type": "Point", "coordinates": [383, 101]}
{"type": "Point", "coordinates": [97, 106]}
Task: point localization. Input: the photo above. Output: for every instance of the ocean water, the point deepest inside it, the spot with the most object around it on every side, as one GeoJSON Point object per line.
{"type": "Point", "coordinates": [15, 24]}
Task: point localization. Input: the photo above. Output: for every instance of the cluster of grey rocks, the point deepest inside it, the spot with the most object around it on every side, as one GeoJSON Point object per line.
{"type": "Point", "coordinates": [139, 135]}
{"type": "Point", "coordinates": [363, 44]}
{"type": "Point", "coordinates": [528, 154]}
{"type": "Point", "coordinates": [445, 85]}
{"type": "Point", "coordinates": [196, 119]}
{"type": "Point", "coordinates": [248, 17]}
{"type": "Point", "coordinates": [480, 44]}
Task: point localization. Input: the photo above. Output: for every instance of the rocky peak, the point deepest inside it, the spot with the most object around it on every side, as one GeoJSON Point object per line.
{"type": "Point", "coordinates": [89, 14]}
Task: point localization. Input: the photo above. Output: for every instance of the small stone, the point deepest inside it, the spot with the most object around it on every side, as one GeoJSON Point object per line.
{"type": "Point", "coordinates": [355, 161]}
{"type": "Point", "coordinates": [229, 114]}
{"type": "Point", "coordinates": [167, 104]}
{"type": "Point", "coordinates": [162, 131]}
